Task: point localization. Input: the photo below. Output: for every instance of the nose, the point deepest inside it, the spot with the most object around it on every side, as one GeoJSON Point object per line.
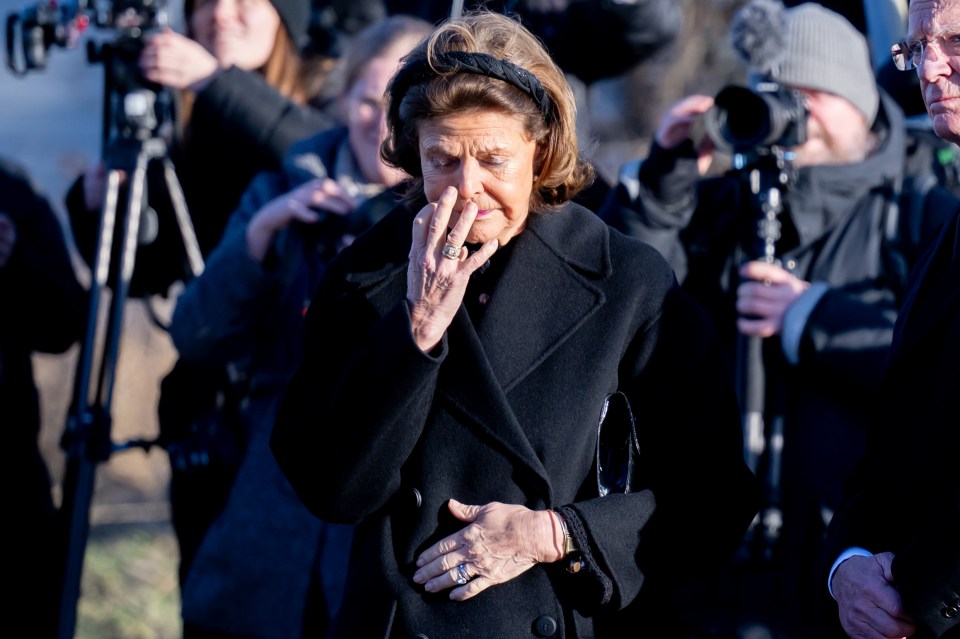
{"type": "Point", "coordinates": [933, 62]}
{"type": "Point", "coordinates": [224, 10]}
{"type": "Point", "coordinates": [469, 184]}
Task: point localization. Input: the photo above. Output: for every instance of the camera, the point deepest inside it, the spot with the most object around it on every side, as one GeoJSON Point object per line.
{"type": "Point", "coordinates": [754, 120]}
{"type": "Point", "coordinates": [49, 23]}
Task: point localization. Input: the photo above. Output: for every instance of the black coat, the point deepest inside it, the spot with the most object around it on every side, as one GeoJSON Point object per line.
{"type": "Point", "coordinates": [906, 495]}
{"type": "Point", "coordinates": [375, 431]}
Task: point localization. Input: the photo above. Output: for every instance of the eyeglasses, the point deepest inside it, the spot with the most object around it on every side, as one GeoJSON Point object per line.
{"type": "Point", "coordinates": [908, 54]}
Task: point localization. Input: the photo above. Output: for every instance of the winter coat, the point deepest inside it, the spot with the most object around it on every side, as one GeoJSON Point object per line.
{"type": "Point", "coordinates": [844, 229]}
{"type": "Point", "coordinates": [905, 497]}
{"type": "Point", "coordinates": [252, 571]}
{"type": "Point", "coordinates": [375, 431]}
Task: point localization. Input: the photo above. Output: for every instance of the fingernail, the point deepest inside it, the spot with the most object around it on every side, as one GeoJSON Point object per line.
{"type": "Point", "coordinates": [418, 577]}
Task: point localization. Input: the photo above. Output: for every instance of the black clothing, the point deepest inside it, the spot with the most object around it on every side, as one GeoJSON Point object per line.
{"type": "Point", "coordinates": [44, 310]}
{"type": "Point", "coordinates": [375, 431]}
{"type": "Point", "coordinates": [905, 497]}
{"type": "Point", "coordinates": [842, 229]}
{"type": "Point", "coordinates": [592, 39]}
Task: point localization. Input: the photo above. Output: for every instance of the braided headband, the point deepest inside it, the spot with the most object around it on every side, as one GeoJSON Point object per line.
{"type": "Point", "coordinates": [464, 62]}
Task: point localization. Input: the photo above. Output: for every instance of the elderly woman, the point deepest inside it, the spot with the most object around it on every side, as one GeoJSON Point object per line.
{"type": "Point", "coordinates": [457, 356]}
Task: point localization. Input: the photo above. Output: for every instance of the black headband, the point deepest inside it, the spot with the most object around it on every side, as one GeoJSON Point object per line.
{"type": "Point", "coordinates": [419, 71]}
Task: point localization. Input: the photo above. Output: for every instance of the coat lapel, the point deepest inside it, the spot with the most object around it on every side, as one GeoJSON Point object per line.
{"type": "Point", "coordinates": [936, 292]}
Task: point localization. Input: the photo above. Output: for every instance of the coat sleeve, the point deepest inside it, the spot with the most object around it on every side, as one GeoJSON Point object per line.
{"type": "Point", "coordinates": [256, 113]}
{"type": "Point", "coordinates": [361, 396]}
{"type": "Point", "coordinates": [691, 454]}
{"type": "Point", "coordinates": [216, 316]}
{"type": "Point", "coordinates": [655, 199]}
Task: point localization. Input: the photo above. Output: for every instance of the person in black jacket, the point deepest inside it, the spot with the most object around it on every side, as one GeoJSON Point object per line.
{"type": "Point", "coordinates": [44, 311]}
{"type": "Point", "coordinates": [243, 103]}
{"type": "Point", "coordinates": [896, 542]}
{"type": "Point", "coordinates": [266, 568]}
{"type": "Point", "coordinates": [456, 360]}
{"type": "Point", "coordinates": [813, 318]}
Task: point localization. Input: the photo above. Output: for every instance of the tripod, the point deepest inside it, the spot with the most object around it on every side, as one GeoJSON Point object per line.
{"type": "Point", "coordinates": [131, 145]}
{"type": "Point", "coordinates": [766, 178]}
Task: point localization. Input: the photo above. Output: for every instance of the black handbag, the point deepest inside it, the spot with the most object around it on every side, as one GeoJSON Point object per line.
{"type": "Point", "coordinates": [618, 449]}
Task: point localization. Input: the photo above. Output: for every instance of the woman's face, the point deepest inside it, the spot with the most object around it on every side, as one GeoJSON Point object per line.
{"type": "Point", "coordinates": [366, 119]}
{"type": "Point", "coordinates": [488, 157]}
{"type": "Point", "coordinates": [237, 32]}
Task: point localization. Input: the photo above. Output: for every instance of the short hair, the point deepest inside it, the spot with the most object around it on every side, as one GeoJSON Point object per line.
{"type": "Point", "coordinates": [413, 97]}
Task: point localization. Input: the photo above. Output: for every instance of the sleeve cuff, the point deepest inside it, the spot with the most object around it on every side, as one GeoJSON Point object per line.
{"type": "Point", "coordinates": [853, 551]}
{"type": "Point", "coordinates": [795, 319]}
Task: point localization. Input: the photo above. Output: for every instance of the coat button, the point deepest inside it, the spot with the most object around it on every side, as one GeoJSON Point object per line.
{"type": "Point", "coordinates": [545, 626]}
{"type": "Point", "coordinates": [417, 498]}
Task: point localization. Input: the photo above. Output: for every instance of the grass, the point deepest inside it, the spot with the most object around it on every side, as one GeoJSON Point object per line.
{"type": "Point", "coordinates": [129, 586]}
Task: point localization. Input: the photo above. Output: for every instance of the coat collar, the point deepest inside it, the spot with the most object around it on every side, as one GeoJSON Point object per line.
{"type": "Point", "coordinates": [547, 291]}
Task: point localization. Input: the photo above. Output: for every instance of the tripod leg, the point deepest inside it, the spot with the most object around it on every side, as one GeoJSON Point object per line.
{"type": "Point", "coordinates": [87, 439]}
{"type": "Point", "coordinates": [187, 232]}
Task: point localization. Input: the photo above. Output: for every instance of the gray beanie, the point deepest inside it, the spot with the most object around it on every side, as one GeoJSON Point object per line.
{"type": "Point", "coordinates": [808, 46]}
{"type": "Point", "coordinates": [825, 52]}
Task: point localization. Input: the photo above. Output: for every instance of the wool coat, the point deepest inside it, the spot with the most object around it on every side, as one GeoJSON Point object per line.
{"type": "Point", "coordinates": [906, 494]}
{"type": "Point", "coordinates": [376, 432]}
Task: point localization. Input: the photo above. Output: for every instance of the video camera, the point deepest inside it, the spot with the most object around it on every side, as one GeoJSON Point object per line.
{"type": "Point", "coordinates": [747, 120]}
{"type": "Point", "coordinates": [50, 22]}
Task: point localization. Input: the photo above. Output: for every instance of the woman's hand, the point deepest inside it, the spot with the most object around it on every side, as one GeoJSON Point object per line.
{"type": "Point", "coordinates": [436, 283]}
{"type": "Point", "coordinates": [766, 297]}
{"type": "Point", "coordinates": [501, 542]}
{"type": "Point", "coordinates": [95, 185]}
{"type": "Point", "coordinates": [176, 61]}
{"type": "Point", "coordinates": [296, 206]}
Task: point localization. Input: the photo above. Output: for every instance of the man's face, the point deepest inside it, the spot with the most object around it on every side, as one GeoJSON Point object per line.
{"type": "Point", "coordinates": [937, 24]}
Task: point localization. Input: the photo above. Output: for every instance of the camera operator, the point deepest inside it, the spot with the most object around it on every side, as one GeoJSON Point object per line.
{"type": "Point", "coordinates": [825, 308]}
{"type": "Point", "coordinates": [44, 310]}
{"type": "Point", "coordinates": [243, 103]}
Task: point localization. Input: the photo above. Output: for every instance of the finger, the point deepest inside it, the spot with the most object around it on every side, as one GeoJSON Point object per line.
{"type": "Point", "coordinates": [764, 271]}
{"type": "Point", "coordinates": [471, 589]}
{"type": "Point", "coordinates": [756, 328]}
{"type": "Point", "coordinates": [438, 224]}
{"type": "Point", "coordinates": [458, 234]}
{"type": "Point", "coordinates": [463, 512]}
{"type": "Point", "coordinates": [302, 213]}
{"type": "Point", "coordinates": [441, 549]}
{"type": "Point", "coordinates": [421, 229]}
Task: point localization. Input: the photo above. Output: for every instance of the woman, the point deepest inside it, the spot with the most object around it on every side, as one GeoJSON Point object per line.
{"type": "Point", "coordinates": [267, 568]}
{"type": "Point", "coordinates": [456, 358]}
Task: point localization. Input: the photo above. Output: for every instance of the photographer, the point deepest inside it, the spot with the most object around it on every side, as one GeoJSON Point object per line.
{"type": "Point", "coordinates": [242, 97]}
{"type": "Point", "coordinates": [824, 308]}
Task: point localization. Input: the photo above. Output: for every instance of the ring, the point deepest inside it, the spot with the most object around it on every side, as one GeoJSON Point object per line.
{"type": "Point", "coordinates": [462, 576]}
{"type": "Point", "coordinates": [451, 252]}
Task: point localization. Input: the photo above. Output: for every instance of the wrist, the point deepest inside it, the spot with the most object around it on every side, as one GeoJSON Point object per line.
{"type": "Point", "coordinates": [567, 548]}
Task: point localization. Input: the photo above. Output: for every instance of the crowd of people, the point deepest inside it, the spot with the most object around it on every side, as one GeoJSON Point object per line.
{"type": "Point", "coordinates": [417, 295]}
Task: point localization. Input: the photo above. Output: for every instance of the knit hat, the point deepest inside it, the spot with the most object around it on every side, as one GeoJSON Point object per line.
{"type": "Point", "coordinates": [294, 14]}
{"type": "Point", "coordinates": [821, 50]}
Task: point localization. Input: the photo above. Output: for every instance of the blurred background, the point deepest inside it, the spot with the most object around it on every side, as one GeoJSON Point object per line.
{"type": "Point", "coordinates": [51, 122]}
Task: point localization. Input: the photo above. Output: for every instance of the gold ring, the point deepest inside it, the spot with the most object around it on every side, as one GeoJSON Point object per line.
{"type": "Point", "coordinates": [451, 252]}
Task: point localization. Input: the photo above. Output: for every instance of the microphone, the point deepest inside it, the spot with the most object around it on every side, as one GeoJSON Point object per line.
{"type": "Point", "coordinates": [758, 35]}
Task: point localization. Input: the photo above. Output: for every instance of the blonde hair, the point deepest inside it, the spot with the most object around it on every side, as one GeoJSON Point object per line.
{"type": "Point", "coordinates": [561, 172]}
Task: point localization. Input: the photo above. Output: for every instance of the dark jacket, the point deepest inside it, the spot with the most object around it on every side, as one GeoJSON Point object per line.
{"type": "Point", "coordinates": [239, 125]}
{"type": "Point", "coordinates": [905, 498]}
{"type": "Point", "coordinates": [44, 310]}
{"type": "Point", "coordinates": [836, 234]}
{"type": "Point", "coordinates": [375, 431]}
{"type": "Point", "coordinates": [590, 39]}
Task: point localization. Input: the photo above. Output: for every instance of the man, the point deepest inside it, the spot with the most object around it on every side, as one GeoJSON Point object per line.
{"type": "Point", "coordinates": [906, 506]}
{"type": "Point", "coordinates": [809, 328]}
